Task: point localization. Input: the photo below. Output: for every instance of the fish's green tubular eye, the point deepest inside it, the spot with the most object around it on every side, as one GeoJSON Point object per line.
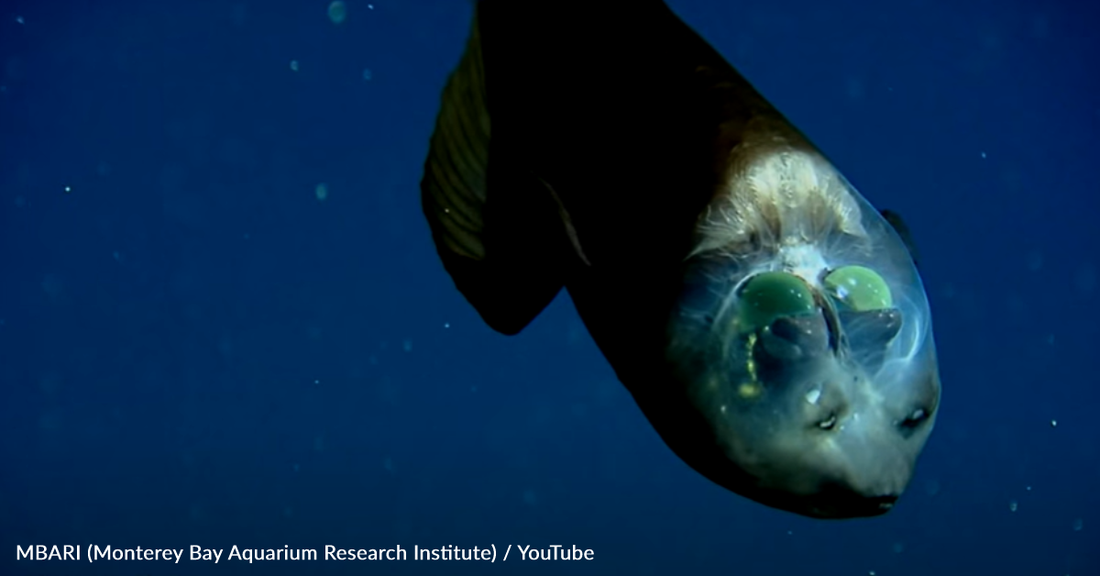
{"type": "Point", "coordinates": [771, 295]}
{"type": "Point", "coordinates": [860, 289]}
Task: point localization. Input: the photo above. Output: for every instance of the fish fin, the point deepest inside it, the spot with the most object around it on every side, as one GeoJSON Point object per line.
{"type": "Point", "coordinates": [567, 223]}
{"type": "Point", "coordinates": [497, 226]}
{"type": "Point", "coordinates": [902, 229]}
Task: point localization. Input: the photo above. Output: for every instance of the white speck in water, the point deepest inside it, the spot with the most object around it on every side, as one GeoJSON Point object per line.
{"type": "Point", "coordinates": [294, 65]}
{"type": "Point", "coordinates": [983, 155]}
{"type": "Point", "coordinates": [446, 324]}
{"type": "Point", "coordinates": [1053, 423]}
{"type": "Point", "coordinates": [68, 190]}
{"type": "Point", "coordinates": [1028, 488]}
{"type": "Point", "coordinates": [370, 6]}
{"type": "Point", "coordinates": [19, 20]}
{"type": "Point", "coordinates": [1012, 505]}
{"type": "Point", "coordinates": [366, 74]}
{"type": "Point", "coordinates": [316, 382]}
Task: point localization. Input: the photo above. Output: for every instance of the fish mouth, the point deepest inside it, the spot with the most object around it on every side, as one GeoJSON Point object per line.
{"type": "Point", "coordinates": [839, 506]}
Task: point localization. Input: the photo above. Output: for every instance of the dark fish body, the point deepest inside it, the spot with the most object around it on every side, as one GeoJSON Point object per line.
{"type": "Point", "coordinates": [607, 149]}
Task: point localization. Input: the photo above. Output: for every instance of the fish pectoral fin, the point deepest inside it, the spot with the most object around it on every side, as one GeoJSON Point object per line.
{"type": "Point", "coordinates": [902, 229]}
{"type": "Point", "coordinates": [496, 226]}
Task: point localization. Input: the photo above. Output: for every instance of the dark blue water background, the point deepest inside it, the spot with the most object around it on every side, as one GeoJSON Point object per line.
{"type": "Point", "coordinates": [196, 349]}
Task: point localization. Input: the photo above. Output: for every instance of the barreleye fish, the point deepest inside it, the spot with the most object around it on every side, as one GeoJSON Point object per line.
{"type": "Point", "coordinates": [770, 324]}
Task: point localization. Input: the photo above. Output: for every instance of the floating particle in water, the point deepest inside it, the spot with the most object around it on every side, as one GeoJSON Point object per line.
{"type": "Point", "coordinates": [321, 191]}
{"type": "Point", "coordinates": [19, 20]}
{"type": "Point", "coordinates": [1053, 423]}
{"type": "Point", "coordinates": [446, 324]}
{"type": "Point", "coordinates": [68, 190]}
{"type": "Point", "coordinates": [294, 65]}
{"type": "Point", "coordinates": [983, 155]}
{"type": "Point", "coordinates": [366, 74]}
{"type": "Point", "coordinates": [407, 345]}
{"type": "Point", "coordinates": [337, 12]}
{"type": "Point", "coordinates": [1012, 505]}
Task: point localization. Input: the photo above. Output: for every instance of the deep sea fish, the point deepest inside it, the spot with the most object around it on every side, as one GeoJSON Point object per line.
{"type": "Point", "coordinates": [768, 321]}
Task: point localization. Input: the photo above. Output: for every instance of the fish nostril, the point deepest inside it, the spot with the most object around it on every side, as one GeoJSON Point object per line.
{"type": "Point", "coordinates": [914, 419]}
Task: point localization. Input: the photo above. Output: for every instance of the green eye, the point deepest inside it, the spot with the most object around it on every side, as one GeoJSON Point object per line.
{"type": "Point", "coordinates": [858, 288]}
{"type": "Point", "coordinates": [771, 295]}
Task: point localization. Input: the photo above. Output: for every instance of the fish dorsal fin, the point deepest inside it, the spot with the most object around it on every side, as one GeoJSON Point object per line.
{"type": "Point", "coordinates": [902, 229]}
{"type": "Point", "coordinates": [501, 231]}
